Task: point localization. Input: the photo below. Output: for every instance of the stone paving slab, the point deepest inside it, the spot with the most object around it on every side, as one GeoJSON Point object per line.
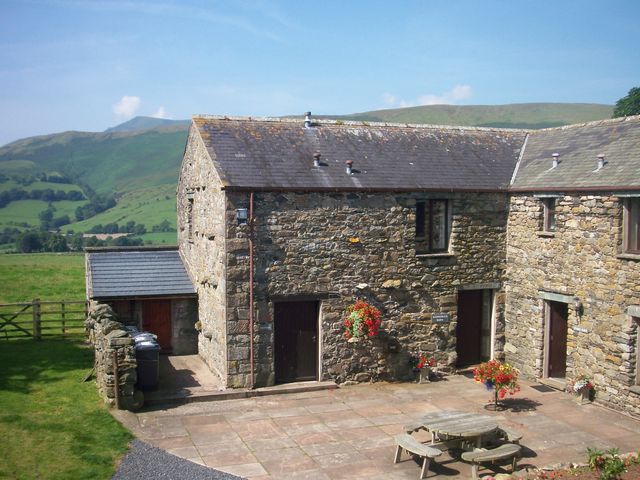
{"type": "Point", "coordinates": [348, 432]}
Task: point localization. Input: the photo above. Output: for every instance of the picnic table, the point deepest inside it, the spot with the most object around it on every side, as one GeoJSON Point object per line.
{"type": "Point", "coordinates": [457, 425]}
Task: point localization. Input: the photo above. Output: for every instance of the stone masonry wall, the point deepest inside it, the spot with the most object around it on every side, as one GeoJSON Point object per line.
{"type": "Point", "coordinates": [325, 245]}
{"type": "Point", "coordinates": [579, 259]}
{"type": "Point", "coordinates": [109, 339]}
{"type": "Point", "coordinates": [201, 236]}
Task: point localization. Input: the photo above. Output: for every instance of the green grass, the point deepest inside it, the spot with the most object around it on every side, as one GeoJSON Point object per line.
{"type": "Point", "coordinates": [53, 425]}
{"type": "Point", "coordinates": [48, 276]}
{"type": "Point", "coordinates": [22, 211]}
{"type": "Point", "coordinates": [148, 206]}
{"type": "Point", "coordinates": [161, 238]}
{"type": "Point", "coordinates": [65, 187]}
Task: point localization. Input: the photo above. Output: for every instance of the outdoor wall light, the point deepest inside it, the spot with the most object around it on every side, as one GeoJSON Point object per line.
{"type": "Point", "coordinates": [242, 215]}
{"type": "Point", "coordinates": [577, 306]}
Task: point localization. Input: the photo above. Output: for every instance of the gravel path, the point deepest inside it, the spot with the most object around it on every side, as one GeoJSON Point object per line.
{"type": "Point", "coordinates": [147, 461]}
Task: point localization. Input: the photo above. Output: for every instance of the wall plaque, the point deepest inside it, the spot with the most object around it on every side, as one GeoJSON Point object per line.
{"type": "Point", "coordinates": [580, 329]}
{"type": "Point", "coordinates": [442, 317]}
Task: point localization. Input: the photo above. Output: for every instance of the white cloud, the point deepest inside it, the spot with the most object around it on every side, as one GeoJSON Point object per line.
{"type": "Point", "coordinates": [451, 97]}
{"type": "Point", "coordinates": [160, 113]}
{"type": "Point", "coordinates": [126, 107]}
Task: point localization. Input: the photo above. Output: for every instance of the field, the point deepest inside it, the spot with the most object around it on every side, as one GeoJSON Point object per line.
{"type": "Point", "coordinates": [149, 206]}
{"type": "Point", "coordinates": [48, 276]}
{"type": "Point", "coordinates": [160, 238]}
{"type": "Point", "coordinates": [54, 425]}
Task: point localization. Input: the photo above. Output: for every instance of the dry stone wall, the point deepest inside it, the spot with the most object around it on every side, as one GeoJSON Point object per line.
{"type": "Point", "coordinates": [113, 346]}
{"type": "Point", "coordinates": [201, 236]}
{"type": "Point", "coordinates": [581, 259]}
{"type": "Point", "coordinates": [343, 246]}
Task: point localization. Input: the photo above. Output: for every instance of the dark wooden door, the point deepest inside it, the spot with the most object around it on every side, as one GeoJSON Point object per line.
{"type": "Point", "coordinates": [296, 341]}
{"type": "Point", "coordinates": [156, 318]}
{"type": "Point", "coordinates": [469, 327]}
{"type": "Point", "coordinates": [558, 313]}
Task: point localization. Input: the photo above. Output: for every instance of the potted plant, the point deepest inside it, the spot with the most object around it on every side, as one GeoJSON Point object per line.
{"type": "Point", "coordinates": [500, 377]}
{"type": "Point", "coordinates": [582, 388]}
{"type": "Point", "coordinates": [421, 365]}
{"type": "Point", "coordinates": [363, 320]}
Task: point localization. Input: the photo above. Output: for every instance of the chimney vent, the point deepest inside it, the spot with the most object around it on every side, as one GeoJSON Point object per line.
{"type": "Point", "coordinates": [307, 120]}
{"type": "Point", "coordinates": [349, 167]}
{"type": "Point", "coordinates": [601, 161]}
{"type": "Point", "coordinates": [556, 160]}
{"type": "Point", "coordinates": [316, 159]}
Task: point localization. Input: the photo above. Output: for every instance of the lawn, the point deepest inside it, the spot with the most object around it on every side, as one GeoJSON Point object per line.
{"type": "Point", "coordinates": [53, 425]}
{"type": "Point", "coordinates": [47, 276]}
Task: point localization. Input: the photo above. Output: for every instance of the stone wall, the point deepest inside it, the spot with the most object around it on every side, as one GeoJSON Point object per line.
{"type": "Point", "coordinates": [581, 259]}
{"type": "Point", "coordinates": [324, 246]}
{"type": "Point", "coordinates": [201, 236]}
{"type": "Point", "coordinates": [111, 341]}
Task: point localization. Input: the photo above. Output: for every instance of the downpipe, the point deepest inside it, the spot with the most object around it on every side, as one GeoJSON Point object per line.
{"type": "Point", "coordinates": [251, 247]}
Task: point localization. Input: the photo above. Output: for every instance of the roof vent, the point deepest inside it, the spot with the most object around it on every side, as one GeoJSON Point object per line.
{"type": "Point", "coordinates": [349, 167]}
{"type": "Point", "coordinates": [601, 162]}
{"type": "Point", "coordinates": [307, 119]}
{"type": "Point", "coordinates": [316, 159]}
{"type": "Point", "coordinates": [556, 160]}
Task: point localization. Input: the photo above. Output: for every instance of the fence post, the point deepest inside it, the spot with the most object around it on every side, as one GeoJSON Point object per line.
{"type": "Point", "coordinates": [37, 333]}
{"type": "Point", "coordinates": [64, 330]}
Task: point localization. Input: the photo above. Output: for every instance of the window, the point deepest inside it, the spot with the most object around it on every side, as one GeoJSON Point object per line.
{"type": "Point", "coordinates": [548, 214]}
{"type": "Point", "coordinates": [190, 217]}
{"type": "Point", "coordinates": [632, 225]}
{"type": "Point", "coordinates": [433, 226]}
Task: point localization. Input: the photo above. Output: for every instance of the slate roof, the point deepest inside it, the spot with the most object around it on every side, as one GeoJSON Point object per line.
{"type": "Point", "coordinates": [274, 154]}
{"type": "Point", "coordinates": [136, 273]}
{"type": "Point", "coordinates": [578, 147]}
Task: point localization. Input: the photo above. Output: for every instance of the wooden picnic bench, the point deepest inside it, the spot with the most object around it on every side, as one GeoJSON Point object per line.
{"type": "Point", "coordinates": [503, 452]}
{"type": "Point", "coordinates": [411, 445]}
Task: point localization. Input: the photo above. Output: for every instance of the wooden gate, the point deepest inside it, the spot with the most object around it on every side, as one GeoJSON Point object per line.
{"type": "Point", "coordinates": [39, 319]}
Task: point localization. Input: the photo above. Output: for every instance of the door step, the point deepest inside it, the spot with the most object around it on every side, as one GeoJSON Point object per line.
{"type": "Point", "coordinates": [556, 383]}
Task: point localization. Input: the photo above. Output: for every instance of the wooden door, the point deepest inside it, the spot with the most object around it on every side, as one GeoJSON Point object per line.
{"type": "Point", "coordinates": [469, 327]}
{"type": "Point", "coordinates": [156, 318]}
{"type": "Point", "coordinates": [558, 314]}
{"type": "Point", "coordinates": [296, 341]}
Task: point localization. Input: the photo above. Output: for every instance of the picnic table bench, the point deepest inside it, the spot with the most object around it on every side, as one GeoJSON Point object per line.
{"type": "Point", "coordinates": [411, 445]}
{"type": "Point", "coordinates": [503, 452]}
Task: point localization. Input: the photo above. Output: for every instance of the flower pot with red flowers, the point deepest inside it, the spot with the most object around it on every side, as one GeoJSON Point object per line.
{"type": "Point", "coordinates": [362, 321]}
{"type": "Point", "coordinates": [500, 377]}
{"type": "Point", "coordinates": [582, 388]}
{"type": "Point", "coordinates": [422, 366]}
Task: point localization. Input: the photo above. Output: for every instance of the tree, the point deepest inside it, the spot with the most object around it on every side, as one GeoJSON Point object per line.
{"type": "Point", "coordinates": [29, 242]}
{"type": "Point", "coordinates": [629, 105]}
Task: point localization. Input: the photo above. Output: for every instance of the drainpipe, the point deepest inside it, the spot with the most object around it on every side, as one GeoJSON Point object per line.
{"type": "Point", "coordinates": [251, 234]}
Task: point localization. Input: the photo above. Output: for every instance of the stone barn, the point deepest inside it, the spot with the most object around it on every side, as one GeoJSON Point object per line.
{"type": "Point", "coordinates": [282, 224]}
{"type": "Point", "coordinates": [148, 288]}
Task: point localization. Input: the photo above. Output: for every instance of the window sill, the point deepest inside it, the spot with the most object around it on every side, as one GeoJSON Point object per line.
{"type": "Point", "coordinates": [635, 389]}
{"type": "Point", "coordinates": [435, 255]}
{"type": "Point", "coordinates": [629, 256]}
{"type": "Point", "coordinates": [546, 234]}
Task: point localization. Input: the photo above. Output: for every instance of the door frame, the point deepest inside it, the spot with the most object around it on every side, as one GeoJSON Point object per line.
{"type": "Point", "coordinates": [319, 307]}
{"type": "Point", "coordinates": [489, 291]}
{"type": "Point", "coordinates": [558, 298]}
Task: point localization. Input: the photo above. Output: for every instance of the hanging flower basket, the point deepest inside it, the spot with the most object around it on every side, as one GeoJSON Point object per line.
{"type": "Point", "coordinates": [363, 320]}
{"type": "Point", "coordinates": [500, 377]}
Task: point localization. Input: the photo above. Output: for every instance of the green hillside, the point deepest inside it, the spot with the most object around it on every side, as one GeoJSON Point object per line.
{"type": "Point", "coordinates": [137, 162]}
{"type": "Point", "coordinates": [525, 115]}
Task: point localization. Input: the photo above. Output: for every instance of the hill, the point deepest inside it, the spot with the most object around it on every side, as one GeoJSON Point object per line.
{"type": "Point", "coordinates": [524, 115]}
{"type": "Point", "coordinates": [137, 162]}
{"type": "Point", "coordinates": [145, 123]}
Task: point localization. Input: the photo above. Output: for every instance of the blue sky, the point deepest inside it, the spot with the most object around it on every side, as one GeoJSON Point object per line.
{"type": "Point", "coordinates": [88, 65]}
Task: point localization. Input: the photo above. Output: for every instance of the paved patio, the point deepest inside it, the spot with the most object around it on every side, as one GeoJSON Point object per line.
{"type": "Point", "coordinates": [348, 432]}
